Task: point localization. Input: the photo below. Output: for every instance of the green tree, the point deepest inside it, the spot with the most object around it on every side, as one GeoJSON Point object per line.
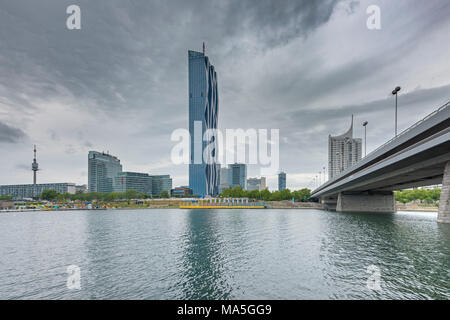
{"type": "Point", "coordinates": [254, 194]}
{"type": "Point", "coordinates": [301, 195]}
{"type": "Point", "coordinates": [130, 194]}
{"type": "Point", "coordinates": [164, 194]}
{"type": "Point", "coordinates": [265, 195]}
{"type": "Point", "coordinates": [422, 195]}
{"type": "Point", "coordinates": [237, 192]}
{"type": "Point", "coordinates": [49, 195]}
{"type": "Point", "coordinates": [285, 194]}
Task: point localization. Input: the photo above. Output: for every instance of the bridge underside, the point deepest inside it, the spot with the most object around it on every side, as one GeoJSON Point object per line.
{"type": "Point", "coordinates": [380, 197]}
{"type": "Point", "coordinates": [403, 175]}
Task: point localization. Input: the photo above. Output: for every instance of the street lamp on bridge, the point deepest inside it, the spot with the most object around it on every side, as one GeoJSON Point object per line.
{"type": "Point", "coordinates": [365, 123]}
{"type": "Point", "coordinates": [395, 93]}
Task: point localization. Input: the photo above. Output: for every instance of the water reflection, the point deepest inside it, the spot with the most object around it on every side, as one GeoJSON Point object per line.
{"type": "Point", "coordinates": [402, 246]}
{"type": "Point", "coordinates": [205, 274]}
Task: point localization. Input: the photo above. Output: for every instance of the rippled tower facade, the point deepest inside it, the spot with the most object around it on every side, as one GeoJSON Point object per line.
{"type": "Point", "coordinates": [203, 114]}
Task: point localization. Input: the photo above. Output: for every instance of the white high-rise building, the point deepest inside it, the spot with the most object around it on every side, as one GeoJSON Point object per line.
{"type": "Point", "coordinates": [343, 152]}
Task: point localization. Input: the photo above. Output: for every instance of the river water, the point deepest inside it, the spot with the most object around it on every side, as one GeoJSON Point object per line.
{"type": "Point", "coordinates": [224, 254]}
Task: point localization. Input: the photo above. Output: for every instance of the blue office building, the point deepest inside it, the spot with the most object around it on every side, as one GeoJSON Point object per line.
{"type": "Point", "coordinates": [281, 181]}
{"type": "Point", "coordinates": [203, 113]}
{"type": "Point", "coordinates": [239, 175]}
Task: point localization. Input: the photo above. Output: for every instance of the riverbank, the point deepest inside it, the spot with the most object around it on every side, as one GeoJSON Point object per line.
{"type": "Point", "coordinates": [175, 204]}
{"type": "Point", "coordinates": [286, 204]}
{"type": "Point", "coordinates": [415, 207]}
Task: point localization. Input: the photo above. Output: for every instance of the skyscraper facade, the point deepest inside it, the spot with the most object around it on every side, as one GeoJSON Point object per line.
{"type": "Point", "coordinates": [161, 183]}
{"type": "Point", "coordinates": [256, 184]}
{"type": "Point", "coordinates": [281, 181]}
{"type": "Point", "coordinates": [140, 182]}
{"type": "Point", "coordinates": [225, 176]}
{"type": "Point", "coordinates": [203, 114]}
{"type": "Point", "coordinates": [343, 152]}
{"type": "Point", "coordinates": [238, 175]}
{"type": "Point", "coordinates": [102, 169]}
{"type": "Point", "coordinates": [224, 179]}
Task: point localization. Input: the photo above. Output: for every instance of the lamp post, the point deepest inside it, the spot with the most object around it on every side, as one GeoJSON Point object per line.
{"type": "Point", "coordinates": [365, 123]}
{"type": "Point", "coordinates": [324, 175]}
{"type": "Point", "coordinates": [395, 93]}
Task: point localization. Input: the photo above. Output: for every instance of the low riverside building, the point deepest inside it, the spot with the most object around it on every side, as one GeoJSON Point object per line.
{"type": "Point", "coordinates": [81, 188]}
{"type": "Point", "coordinates": [181, 191]}
{"type": "Point", "coordinates": [5, 205]}
{"type": "Point", "coordinates": [23, 191]}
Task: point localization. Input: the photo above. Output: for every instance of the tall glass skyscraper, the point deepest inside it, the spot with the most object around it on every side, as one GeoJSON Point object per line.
{"type": "Point", "coordinates": [203, 113]}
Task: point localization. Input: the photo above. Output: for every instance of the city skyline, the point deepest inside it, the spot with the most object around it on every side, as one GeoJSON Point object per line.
{"type": "Point", "coordinates": [129, 99]}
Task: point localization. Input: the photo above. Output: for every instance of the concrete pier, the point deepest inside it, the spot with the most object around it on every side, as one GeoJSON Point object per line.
{"type": "Point", "coordinates": [444, 202]}
{"type": "Point", "coordinates": [329, 203]}
{"type": "Point", "coordinates": [378, 202]}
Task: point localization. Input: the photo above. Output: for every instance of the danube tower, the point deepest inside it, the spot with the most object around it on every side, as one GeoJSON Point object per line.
{"type": "Point", "coordinates": [203, 114]}
{"type": "Point", "coordinates": [34, 166]}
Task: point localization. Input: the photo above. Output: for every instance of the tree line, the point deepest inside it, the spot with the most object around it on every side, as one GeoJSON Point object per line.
{"type": "Point", "coordinates": [52, 195]}
{"type": "Point", "coordinates": [422, 195]}
{"type": "Point", "coordinates": [266, 195]}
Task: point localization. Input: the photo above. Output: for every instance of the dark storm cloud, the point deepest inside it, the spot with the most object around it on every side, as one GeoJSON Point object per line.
{"type": "Point", "coordinates": [10, 134]}
{"type": "Point", "coordinates": [277, 22]}
{"type": "Point", "coordinates": [334, 116]}
{"type": "Point", "coordinates": [126, 56]}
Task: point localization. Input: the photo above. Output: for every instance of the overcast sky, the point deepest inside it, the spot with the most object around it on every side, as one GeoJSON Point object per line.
{"type": "Point", "coordinates": [120, 84]}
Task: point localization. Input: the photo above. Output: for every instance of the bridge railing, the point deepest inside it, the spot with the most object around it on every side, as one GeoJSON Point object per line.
{"type": "Point", "coordinates": [442, 108]}
{"type": "Point", "coordinates": [348, 170]}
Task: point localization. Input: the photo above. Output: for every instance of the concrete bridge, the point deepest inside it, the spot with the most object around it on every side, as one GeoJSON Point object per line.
{"type": "Point", "coordinates": [419, 156]}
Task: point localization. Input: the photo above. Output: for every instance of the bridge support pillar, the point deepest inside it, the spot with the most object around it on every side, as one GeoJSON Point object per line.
{"type": "Point", "coordinates": [381, 202]}
{"type": "Point", "coordinates": [444, 202]}
{"type": "Point", "coordinates": [329, 203]}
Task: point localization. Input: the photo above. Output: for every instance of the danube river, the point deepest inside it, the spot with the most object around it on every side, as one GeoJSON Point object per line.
{"type": "Point", "coordinates": [224, 254]}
